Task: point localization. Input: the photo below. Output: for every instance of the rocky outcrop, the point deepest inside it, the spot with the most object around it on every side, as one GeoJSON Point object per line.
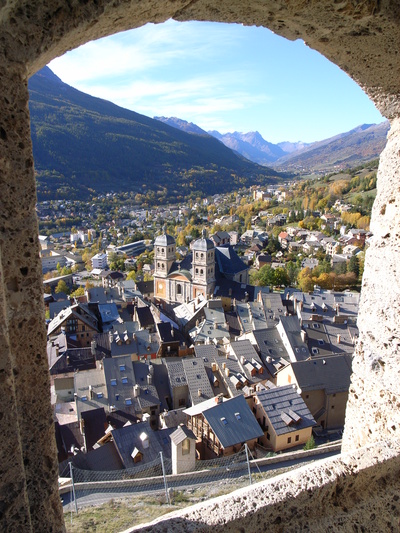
{"type": "Point", "coordinates": [362, 37]}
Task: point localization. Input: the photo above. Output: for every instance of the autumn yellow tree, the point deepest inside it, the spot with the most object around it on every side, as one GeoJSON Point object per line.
{"type": "Point", "coordinates": [305, 280]}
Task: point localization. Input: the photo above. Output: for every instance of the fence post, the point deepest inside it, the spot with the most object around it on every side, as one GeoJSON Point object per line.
{"type": "Point", "coordinates": [165, 479]}
{"type": "Point", "coordinates": [73, 487]}
{"type": "Point", "coordinates": [248, 462]}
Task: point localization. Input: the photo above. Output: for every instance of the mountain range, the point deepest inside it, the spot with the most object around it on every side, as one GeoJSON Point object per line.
{"type": "Point", "coordinates": [84, 145]}
{"type": "Point", "coordinates": [346, 150]}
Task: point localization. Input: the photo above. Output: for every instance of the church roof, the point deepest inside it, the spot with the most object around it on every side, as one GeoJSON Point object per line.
{"type": "Point", "coordinates": [229, 262]}
{"type": "Point", "coordinates": [203, 244]}
{"type": "Point", "coordinates": [164, 240]}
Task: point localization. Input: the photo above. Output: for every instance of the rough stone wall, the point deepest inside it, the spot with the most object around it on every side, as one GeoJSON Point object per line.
{"type": "Point", "coordinates": [28, 487]}
{"type": "Point", "coordinates": [360, 36]}
{"type": "Point", "coordinates": [373, 408]}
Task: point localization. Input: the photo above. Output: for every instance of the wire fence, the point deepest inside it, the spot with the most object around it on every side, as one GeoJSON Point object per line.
{"type": "Point", "coordinates": [85, 488]}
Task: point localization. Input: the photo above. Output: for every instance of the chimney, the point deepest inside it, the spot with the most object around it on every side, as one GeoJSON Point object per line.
{"type": "Point", "coordinates": [227, 372]}
{"type": "Point", "coordinates": [338, 339]}
{"type": "Point", "coordinates": [303, 335]}
{"type": "Point", "coordinates": [199, 393]}
{"type": "Point", "coordinates": [149, 379]}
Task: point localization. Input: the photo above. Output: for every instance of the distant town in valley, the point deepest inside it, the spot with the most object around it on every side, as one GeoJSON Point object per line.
{"type": "Point", "coordinates": [167, 324]}
{"type": "Point", "coordinates": [199, 303]}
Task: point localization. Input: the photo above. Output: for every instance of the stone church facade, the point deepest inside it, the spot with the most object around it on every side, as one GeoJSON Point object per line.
{"type": "Point", "coordinates": [178, 282]}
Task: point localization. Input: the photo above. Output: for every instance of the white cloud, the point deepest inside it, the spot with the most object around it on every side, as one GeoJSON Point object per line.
{"type": "Point", "coordinates": [141, 50]}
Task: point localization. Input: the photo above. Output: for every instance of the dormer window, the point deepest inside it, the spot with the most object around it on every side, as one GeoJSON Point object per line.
{"type": "Point", "coordinates": [122, 368]}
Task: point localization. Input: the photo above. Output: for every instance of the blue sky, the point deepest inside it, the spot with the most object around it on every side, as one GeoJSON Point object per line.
{"type": "Point", "coordinates": [222, 77]}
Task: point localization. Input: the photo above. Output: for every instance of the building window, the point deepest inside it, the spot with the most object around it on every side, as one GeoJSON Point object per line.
{"type": "Point", "coordinates": [128, 401]}
{"type": "Point", "coordinates": [122, 368]}
{"type": "Point", "coordinates": [124, 380]}
{"type": "Point", "coordinates": [332, 407]}
{"type": "Point", "coordinates": [268, 436]}
{"type": "Point", "coordinates": [297, 438]}
{"type": "Point", "coordinates": [179, 289]}
{"type": "Point", "coordinates": [201, 272]}
{"type": "Point", "coordinates": [113, 382]}
{"type": "Point", "coordinates": [186, 447]}
{"type": "Point", "coordinates": [182, 402]}
{"type": "Point", "coordinates": [99, 395]}
{"type": "Point", "coordinates": [289, 440]}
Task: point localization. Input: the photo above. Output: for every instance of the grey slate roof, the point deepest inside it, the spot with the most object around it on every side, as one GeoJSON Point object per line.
{"type": "Point", "coordinates": [203, 244]}
{"type": "Point", "coordinates": [285, 409]}
{"type": "Point", "coordinates": [104, 458]}
{"type": "Point", "coordinates": [144, 316]}
{"type": "Point", "coordinates": [91, 390]}
{"type": "Point", "coordinates": [229, 263]}
{"type": "Point", "coordinates": [273, 307]}
{"type": "Point", "coordinates": [63, 356]}
{"type": "Point", "coordinates": [331, 374]}
{"type": "Point", "coordinates": [148, 395]}
{"type": "Point", "coordinates": [120, 380]}
{"type": "Point", "coordinates": [108, 313]}
{"type": "Point", "coordinates": [182, 433]}
{"type": "Point", "coordinates": [233, 422]}
{"type": "Point", "coordinates": [126, 439]}
{"type": "Point", "coordinates": [197, 380]}
{"type": "Point", "coordinates": [226, 288]}
{"type": "Point", "coordinates": [57, 307]}
{"type": "Point", "coordinates": [176, 372]}
{"type": "Point", "coordinates": [206, 350]}
{"type": "Point", "coordinates": [291, 326]}
{"type": "Point", "coordinates": [164, 240]}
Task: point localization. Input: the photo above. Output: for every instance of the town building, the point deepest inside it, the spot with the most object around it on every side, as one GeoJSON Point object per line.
{"type": "Point", "coordinates": [197, 274]}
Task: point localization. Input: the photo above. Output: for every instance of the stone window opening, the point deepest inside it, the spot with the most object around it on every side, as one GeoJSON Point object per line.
{"type": "Point", "coordinates": [71, 36]}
